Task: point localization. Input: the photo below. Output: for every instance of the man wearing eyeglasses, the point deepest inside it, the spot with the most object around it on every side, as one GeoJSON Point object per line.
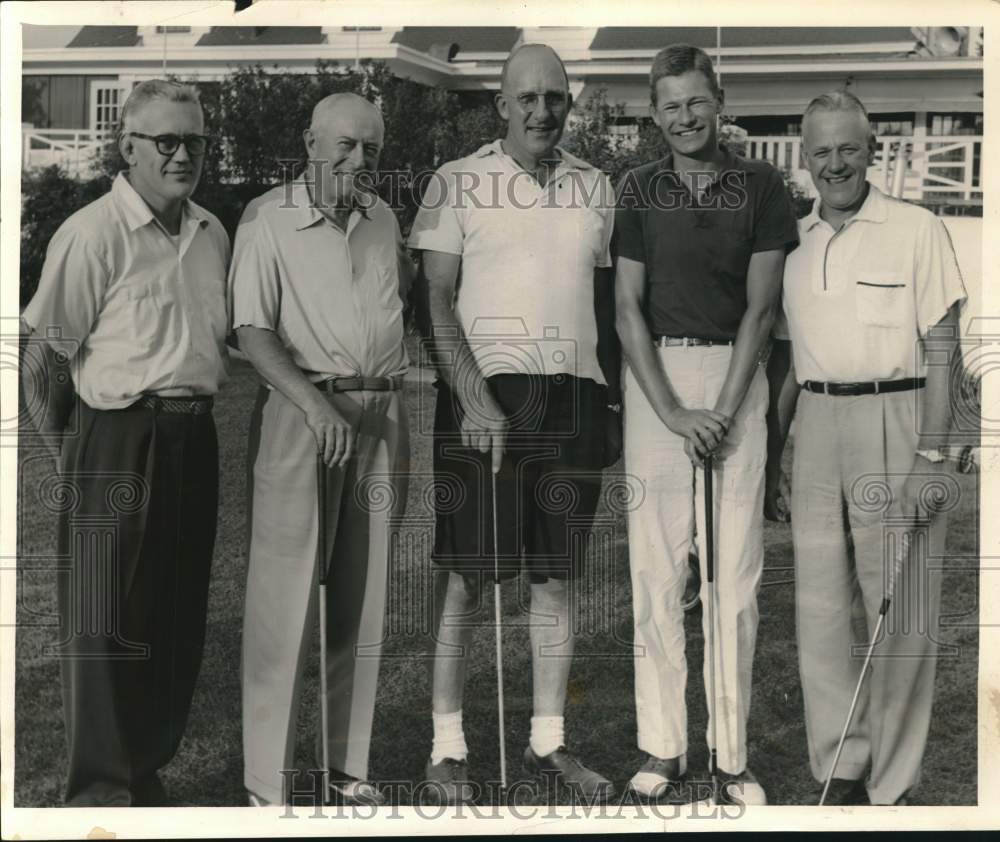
{"type": "Point", "coordinates": [524, 352]}
{"type": "Point", "coordinates": [132, 300]}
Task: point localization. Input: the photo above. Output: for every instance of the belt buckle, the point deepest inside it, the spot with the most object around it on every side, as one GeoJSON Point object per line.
{"type": "Point", "coordinates": [876, 387]}
{"type": "Point", "coordinates": [826, 387]}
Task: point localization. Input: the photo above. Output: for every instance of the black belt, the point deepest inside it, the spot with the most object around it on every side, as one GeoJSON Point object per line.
{"type": "Point", "coordinates": [360, 384]}
{"type": "Point", "coordinates": [686, 341]}
{"type": "Point", "coordinates": [194, 405]}
{"type": "Point", "coordinates": [874, 387]}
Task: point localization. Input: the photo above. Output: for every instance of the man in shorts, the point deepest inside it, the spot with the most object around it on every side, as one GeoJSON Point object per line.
{"type": "Point", "coordinates": [522, 398]}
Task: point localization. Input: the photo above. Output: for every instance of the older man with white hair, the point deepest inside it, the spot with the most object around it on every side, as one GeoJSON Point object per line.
{"type": "Point", "coordinates": [318, 281]}
{"type": "Point", "coordinates": [133, 294]}
{"type": "Point", "coordinates": [870, 294]}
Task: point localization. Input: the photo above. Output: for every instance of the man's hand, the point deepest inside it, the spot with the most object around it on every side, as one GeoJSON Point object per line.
{"type": "Point", "coordinates": [485, 429]}
{"type": "Point", "coordinates": [915, 500]}
{"type": "Point", "coordinates": [703, 428]}
{"type": "Point", "coordinates": [777, 497]}
{"type": "Point", "coordinates": [335, 438]}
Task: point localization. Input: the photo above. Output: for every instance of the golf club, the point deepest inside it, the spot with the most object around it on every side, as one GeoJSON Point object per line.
{"type": "Point", "coordinates": [710, 642]}
{"type": "Point", "coordinates": [499, 640]}
{"type": "Point", "coordinates": [321, 573]}
{"type": "Point", "coordinates": [882, 611]}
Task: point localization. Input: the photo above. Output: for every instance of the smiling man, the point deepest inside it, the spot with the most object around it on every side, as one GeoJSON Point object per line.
{"type": "Point", "coordinates": [133, 292]}
{"type": "Point", "coordinates": [700, 241]}
{"type": "Point", "coordinates": [318, 282]}
{"type": "Point", "coordinates": [525, 361]}
{"type": "Point", "coordinates": [872, 287]}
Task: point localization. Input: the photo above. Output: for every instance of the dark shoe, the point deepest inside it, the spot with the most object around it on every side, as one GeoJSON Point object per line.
{"type": "Point", "coordinates": [446, 782]}
{"type": "Point", "coordinates": [570, 773]}
{"type": "Point", "coordinates": [842, 793]}
{"type": "Point", "coordinates": [345, 789]}
{"type": "Point", "coordinates": [254, 800]}
{"type": "Point", "coordinates": [149, 792]}
{"type": "Point", "coordinates": [662, 781]}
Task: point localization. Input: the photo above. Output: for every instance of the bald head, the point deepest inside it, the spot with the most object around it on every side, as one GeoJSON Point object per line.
{"type": "Point", "coordinates": [344, 106]}
{"type": "Point", "coordinates": [344, 141]}
{"type": "Point", "coordinates": [530, 58]}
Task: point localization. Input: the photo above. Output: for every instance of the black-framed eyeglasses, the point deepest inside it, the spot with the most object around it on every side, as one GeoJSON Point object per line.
{"type": "Point", "coordinates": [168, 144]}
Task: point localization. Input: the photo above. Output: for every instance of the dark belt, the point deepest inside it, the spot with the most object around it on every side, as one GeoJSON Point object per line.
{"type": "Point", "coordinates": [360, 384]}
{"type": "Point", "coordinates": [686, 341]}
{"type": "Point", "coordinates": [194, 405]}
{"type": "Point", "coordinates": [875, 387]}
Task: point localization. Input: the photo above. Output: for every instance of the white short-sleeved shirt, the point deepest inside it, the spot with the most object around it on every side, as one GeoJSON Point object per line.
{"type": "Point", "coordinates": [139, 311]}
{"type": "Point", "coordinates": [856, 301]}
{"type": "Point", "coordinates": [525, 295]}
{"type": "Point", "coordinates": [332, 297]}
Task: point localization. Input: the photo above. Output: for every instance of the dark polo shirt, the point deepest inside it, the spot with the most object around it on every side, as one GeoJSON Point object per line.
{"type": "Point", "coordinates": [697, 251]}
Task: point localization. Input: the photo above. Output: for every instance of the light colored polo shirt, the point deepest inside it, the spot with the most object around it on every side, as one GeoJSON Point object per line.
{"type": "Point", "coordinates": [856, 301]}
{"type": "Point", "coordinates": [332, 297]}
{"type": "Point", "coordinates": [525, 295]}
{"type": "Point", "coordinates": [137, 312]}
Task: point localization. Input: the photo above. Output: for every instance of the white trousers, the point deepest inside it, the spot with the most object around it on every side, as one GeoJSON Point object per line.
{"type": "Point", "coordinates": [280, 621]}
{"type": "Point", "coordinates": [660, 536]}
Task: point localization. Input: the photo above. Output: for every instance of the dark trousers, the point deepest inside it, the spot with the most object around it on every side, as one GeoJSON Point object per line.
{"type": "Point", "coordinates": [139, 497]}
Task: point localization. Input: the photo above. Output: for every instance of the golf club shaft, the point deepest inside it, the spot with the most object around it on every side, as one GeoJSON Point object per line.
{"type": "Point", "coordinates": [320, 572]}
{"type": "Point", "coordinates": [497, 621]}
{"type": "Point", "coordinates": [710, 642]}
{"type": "Point", "coordinates": [900, 554]}
{"type": "Point", "coordinates": [854, 705]}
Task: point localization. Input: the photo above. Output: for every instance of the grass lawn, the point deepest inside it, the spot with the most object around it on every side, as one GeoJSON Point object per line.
{"type": "Point", "coordinates": [208, 770]}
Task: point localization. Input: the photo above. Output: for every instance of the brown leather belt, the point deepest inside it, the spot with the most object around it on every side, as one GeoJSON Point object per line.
{"type": "Point", "coordinates": [194, 405]}
{"type": "Point", "coordinates": [360, 384]}
{"type": "Point", "coordinates": [875, 387]}
{"type": "Point", "coordinates": [687, 341]}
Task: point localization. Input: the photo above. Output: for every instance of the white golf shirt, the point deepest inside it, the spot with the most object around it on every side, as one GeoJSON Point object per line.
{"type": "Point", "coordinates": [856, 301]}
{"type": "Point", "coordinates": [525, 294]}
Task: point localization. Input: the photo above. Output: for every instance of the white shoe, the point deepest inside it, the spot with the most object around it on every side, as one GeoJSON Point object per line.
{"type": "Point", "coordinates": [659, 778]}
{"type": "Point", "coordinates": [743, 788]}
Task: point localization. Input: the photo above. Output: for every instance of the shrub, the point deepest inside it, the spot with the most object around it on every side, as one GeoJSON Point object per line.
{"type": "Point", "coordinates": [48, 197]}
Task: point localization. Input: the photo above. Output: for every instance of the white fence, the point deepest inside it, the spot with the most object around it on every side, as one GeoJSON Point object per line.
{"type": "Point", "coordinates": [75, 150]}
{"type": "Point", "coordinates": [946, 167]}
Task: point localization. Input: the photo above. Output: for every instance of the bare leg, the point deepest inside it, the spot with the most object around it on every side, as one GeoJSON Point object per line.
{"type": "Point", "coordinates": [551, 646]}
{"type": "Point", "coordinates": [457, 605]}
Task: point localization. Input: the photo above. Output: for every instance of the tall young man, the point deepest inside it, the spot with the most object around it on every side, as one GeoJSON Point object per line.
{"type": "Point", "coordinates": [701, 237]}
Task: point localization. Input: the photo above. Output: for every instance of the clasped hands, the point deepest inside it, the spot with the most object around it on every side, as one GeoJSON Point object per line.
{"type": "Point", "coordinates": [703, 431]}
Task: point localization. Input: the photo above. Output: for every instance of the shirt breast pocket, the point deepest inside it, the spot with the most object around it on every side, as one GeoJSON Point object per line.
{"type": "Point", "coordinates": [883, 300]}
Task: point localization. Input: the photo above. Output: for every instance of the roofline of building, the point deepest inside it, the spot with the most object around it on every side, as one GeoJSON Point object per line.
{"type": "Point", "coordinates": [100, 60]}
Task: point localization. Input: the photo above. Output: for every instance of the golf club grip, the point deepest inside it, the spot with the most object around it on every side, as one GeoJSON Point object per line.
{"type": "Point", "coordinates": [709, 520]}
{"type": "Point", "coordinates": [320, 518]}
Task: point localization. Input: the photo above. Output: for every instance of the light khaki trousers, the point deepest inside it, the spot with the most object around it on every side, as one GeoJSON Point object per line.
{"type": "Point", "coordinates": [280, 622]}
{"type": "Point", "coordinates": [851, 453]}
{"type": "Point", "coordinates": [660, 534]}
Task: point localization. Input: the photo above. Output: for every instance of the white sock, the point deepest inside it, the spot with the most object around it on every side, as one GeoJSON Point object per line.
{"type": "Point", "coordinates": [449, 738]}
{"type": "Point", "coordinates": [546, 734]}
